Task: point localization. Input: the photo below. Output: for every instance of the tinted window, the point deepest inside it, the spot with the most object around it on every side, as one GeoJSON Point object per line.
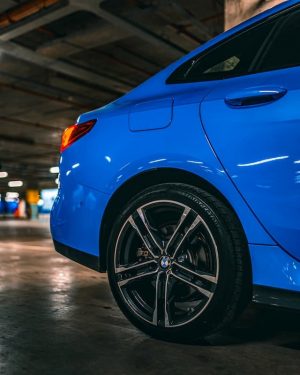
{"type": "Point", "coordinates": [232, 58]}
{"type": "Point", "coordinates": [284, 51]}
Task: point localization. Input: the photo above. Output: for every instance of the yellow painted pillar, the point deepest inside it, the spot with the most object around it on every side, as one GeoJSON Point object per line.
{"type": "Point", "coordinates": [32, 198]}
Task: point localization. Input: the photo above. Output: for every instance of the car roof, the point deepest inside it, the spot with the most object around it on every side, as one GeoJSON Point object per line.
{"type": "Point", "coordinates": [156, 86]}
{"type": "Point", "coordinates": [259, 17]}
{"type": "Point", "coordinates": [159, 79]}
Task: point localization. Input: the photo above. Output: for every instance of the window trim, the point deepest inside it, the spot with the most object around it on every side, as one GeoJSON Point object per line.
{"type": "Point", "coordinates": [260, 60]}
{"type": "Point", "coordinates": [257, 59]}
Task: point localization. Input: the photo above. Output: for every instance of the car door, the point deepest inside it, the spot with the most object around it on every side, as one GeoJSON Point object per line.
{"type": "Point", "coordinates": [253, 123]}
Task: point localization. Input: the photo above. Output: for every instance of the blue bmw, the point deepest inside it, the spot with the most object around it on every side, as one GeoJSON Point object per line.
{"type": "Point", "coordinates": [187, 189]}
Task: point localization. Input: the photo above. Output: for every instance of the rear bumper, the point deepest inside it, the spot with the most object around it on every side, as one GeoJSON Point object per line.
{"type": "Point", "coordinates": [76, 218]}
{"type": "Point", "coordinates": [272, 267]}
{"type": "Point", "coordinates": [88, 260]}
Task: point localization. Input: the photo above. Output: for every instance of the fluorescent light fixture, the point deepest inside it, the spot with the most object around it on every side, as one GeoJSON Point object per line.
{"type": "Point", "coordinates": [57, 181]}
{"type": "Point", "coordinates": [15, 183]}
{"type": "Point", "coordinates": [54, 170]}
{"type": "Point", "coordinates": [3, 174]}
{"type": "Point", "coordinates": [12, 195]}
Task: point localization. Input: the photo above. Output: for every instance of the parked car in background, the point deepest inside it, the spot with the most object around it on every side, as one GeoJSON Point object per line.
{"type": "Point", "coordinates": [187, 189]}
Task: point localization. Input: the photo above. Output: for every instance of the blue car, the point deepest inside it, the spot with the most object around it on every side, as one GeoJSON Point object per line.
{"type": "Point", "coordinates": [187, 189]}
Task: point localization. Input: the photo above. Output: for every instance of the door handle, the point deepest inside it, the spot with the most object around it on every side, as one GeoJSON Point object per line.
{"type": "Point", "coordinates": [255, 96]}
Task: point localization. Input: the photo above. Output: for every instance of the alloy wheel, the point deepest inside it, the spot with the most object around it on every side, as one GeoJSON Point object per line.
{"type": "Point", "coordinates": [166, 263]}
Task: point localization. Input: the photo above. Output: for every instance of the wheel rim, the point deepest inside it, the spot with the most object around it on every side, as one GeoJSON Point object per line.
{"type": "Point", "coordinates": [166, 263]}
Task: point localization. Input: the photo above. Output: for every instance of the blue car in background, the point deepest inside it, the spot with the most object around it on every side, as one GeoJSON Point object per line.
{"type": "Point", "coordinates": [187, 189]}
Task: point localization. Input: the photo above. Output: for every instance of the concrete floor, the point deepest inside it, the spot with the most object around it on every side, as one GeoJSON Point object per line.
{"type": "Point", "coordinates": [57, 317]}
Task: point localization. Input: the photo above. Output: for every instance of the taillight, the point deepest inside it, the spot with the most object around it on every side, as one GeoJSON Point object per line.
{"type": "Point", "coordinates": [74, 132]}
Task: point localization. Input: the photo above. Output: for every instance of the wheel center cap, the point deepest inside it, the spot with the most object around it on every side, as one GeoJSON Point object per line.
{"type": "Point", "coordinates": [165, 262]}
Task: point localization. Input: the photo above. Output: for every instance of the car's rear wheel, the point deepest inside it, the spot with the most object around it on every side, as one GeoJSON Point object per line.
{"type": "Point", "coordinates": [178, 262]}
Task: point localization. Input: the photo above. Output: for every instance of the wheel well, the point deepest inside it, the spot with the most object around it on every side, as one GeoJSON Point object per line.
{"type": "Point", "coordinates": [140, 182]}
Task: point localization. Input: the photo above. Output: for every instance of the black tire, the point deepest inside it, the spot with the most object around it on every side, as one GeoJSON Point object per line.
{"type": "Point", "coordinates": [203, 283]}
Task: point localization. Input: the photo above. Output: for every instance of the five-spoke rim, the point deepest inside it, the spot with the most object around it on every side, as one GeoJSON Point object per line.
{"type": "Point", "coordinates": [166, 263]}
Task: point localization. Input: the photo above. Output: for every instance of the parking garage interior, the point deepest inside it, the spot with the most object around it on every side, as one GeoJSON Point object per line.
{"type": "Point", "coordinates": [59, 59]}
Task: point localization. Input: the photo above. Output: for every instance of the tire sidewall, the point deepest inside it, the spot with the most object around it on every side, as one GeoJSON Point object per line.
{"type": "Point", "coordinates": [211, 318]}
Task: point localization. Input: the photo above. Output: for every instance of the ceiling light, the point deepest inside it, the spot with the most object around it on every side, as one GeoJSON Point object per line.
{"type": "Point", "coordinates": [3, 174]}
{"type": "Point", "coordinates": [56, 181]}
{"type": "Point", "coordinates": [12, 195]}
{"type": "Point", "coordinates": [54, 170]}
{"type": "Point", "coordinates": [15, 183]}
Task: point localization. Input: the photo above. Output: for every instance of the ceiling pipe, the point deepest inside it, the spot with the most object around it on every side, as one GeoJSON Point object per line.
{"type": "Point", "coordinates": [36, 19]}
{"type": "Point", "coordinates": [25, 10]}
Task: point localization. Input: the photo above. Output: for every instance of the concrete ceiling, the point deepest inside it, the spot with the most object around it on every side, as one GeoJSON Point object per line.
{"type": "Point", "coordinates": [61, 58]}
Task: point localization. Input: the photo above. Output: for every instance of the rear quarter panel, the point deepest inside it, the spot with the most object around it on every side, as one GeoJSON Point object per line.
{"type": "Point", "coordinates": [111, 154]}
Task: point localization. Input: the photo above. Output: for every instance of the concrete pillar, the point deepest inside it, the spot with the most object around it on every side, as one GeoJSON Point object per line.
{"type": "Point", "coordinates": [237, 11]}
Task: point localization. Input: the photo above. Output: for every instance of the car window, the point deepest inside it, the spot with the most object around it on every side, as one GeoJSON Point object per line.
{"type": "Point", "coordinates": [284, 51]}
{"type": "Point", "coordinates": [231, 58]}
{"type": "Point", "coordinates": [224, 66]}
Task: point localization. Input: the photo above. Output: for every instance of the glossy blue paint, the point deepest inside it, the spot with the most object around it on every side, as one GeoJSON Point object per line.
{"type": "Point", "coordinates": [111, 154]}
{"type": "Point", "coordinates": [274, 268]}
{"type": "Point", "coordinates": [240, 135]}
{"type": "Point", "coordinates": [76, 216]}
{"type": "Point", "coordinates": [159, 115]}
{"type": "Point", "coordinates": [264, 162]}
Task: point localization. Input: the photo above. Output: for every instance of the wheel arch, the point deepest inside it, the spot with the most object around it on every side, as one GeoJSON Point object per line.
{"type": "Point", "coordinates": [142, 181]}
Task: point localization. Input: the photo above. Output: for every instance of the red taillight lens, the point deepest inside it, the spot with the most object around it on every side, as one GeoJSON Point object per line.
{"type": "Point", "coordinates": [74, 132]}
